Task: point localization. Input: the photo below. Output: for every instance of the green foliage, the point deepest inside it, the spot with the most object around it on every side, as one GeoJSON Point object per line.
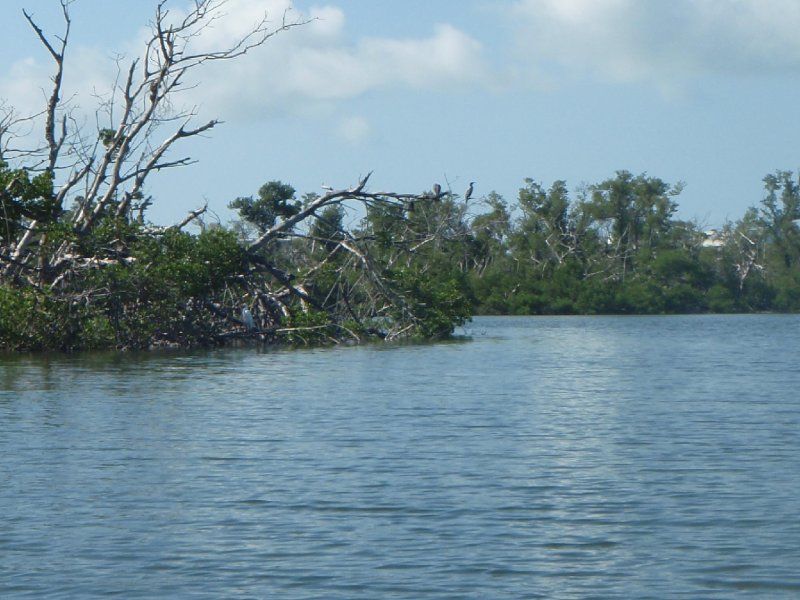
{"type": "Point", "coordinates": [36, 320]}
{"type": "Point", "coordinates": [309, 327]}
{"type": "Point", "coordinates": [780, 217]}
{"type": "Point", "coordinates": [722, 299]}
{"type": "Point", "coordinates": [416, 268]}
{"type": "Point", "coordinates": [640, 208]}
{"type": "Point", "coordinates": [23, 199]}
{"type": "Point", "coordinates": [157, 294]}
{"type": "Point", "coordinates": [328, 226]}
{"type": "Point", "coordinates": [106, 137]}
{"type": "Point", "coordinates": [439, 302]}
{"type": "Point", "coordinates": [618, 249]}
{"type": "Point", "coordinates": [189, 266]}
{"type": "Point", "coordinates": [275, 200]}
{"type": "Point", "coordinates": [160, 296]}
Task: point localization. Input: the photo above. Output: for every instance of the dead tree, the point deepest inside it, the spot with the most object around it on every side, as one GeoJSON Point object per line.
{"type": "Point", "coordinates": [103, 172]}
{"type": "Point", "coordinates": [107, 169]}
{"type": "Point", "coordinates": [379, 295]}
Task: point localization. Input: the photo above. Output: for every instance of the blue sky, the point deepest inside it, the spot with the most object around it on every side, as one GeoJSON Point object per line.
{"type": "Point", "coordinates": [422, 91]}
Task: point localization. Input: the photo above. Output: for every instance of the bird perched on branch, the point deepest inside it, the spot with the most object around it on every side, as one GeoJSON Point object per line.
{"type": "Point", "coordinates": [247, 319]}
{"type": "Point", "coordinates": [470, 189]}
{"type": "Point", "coordinates": [437, 191]}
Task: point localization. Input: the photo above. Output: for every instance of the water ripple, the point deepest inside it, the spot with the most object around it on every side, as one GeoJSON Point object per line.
{"type": "Point", "coordinates": [548, 458]}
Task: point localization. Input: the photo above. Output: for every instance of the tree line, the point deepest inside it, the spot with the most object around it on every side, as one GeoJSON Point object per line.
{"type": "Point", "coordinates": [617, 247]}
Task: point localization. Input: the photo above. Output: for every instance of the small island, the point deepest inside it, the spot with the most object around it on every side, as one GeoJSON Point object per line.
{"type": "Point", "coordinates": [82, 266]}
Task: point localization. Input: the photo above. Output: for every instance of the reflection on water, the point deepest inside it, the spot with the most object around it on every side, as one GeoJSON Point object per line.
{"type": "Point", "coordinates": [545, 458]}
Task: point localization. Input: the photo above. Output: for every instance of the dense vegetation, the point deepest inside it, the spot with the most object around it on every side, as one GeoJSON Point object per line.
{"type": "Point", "coordinates": [618, 248]}
{"type": "Point", "coordinates": [415, 265]}
{"type": "Point", "coordinates": [129, 284]}
{"type": "Point", "coordinates": [81, 267]}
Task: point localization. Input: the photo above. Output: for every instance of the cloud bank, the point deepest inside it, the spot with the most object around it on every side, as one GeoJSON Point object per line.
{"type": "Point", "coordinates": [653, 41]}
{"type": "Point", "coordinates": [322, 64]}
{"type": "Point", "coordinates": [311, 67]}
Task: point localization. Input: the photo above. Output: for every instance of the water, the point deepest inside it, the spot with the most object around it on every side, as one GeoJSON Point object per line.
{"type": "Point", "coordinates": [598, 457]}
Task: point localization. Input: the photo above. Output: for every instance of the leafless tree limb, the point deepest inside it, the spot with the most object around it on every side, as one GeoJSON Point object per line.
{"type": "Point", "coordinates": [113, 168]}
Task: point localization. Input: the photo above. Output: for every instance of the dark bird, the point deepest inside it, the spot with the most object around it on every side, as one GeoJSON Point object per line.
{"type": "Point", "coordinates": [470, 189]}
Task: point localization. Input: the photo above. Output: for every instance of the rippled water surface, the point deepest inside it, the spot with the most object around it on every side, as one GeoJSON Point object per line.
{"type": "Point", "coordinates": [599, 457]}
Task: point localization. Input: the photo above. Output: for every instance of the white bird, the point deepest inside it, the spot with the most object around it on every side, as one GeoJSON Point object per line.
{"type": "Point", "coordinates": [247, 319]}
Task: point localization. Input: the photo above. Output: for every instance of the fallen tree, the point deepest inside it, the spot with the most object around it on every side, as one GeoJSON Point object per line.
{"type": "Point", "coordinates": [82, 268]}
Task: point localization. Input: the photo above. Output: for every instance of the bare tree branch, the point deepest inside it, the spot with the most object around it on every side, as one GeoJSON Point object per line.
{"type": "Point", "coordinates": [114, 167]}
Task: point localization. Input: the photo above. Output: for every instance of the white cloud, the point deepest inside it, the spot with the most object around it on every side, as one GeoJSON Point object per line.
{"type": "Point", "coordinates": [661, 42]}
{"type": "Point", "coordinates": [88, 79]}
{"type": "Point", "coordinates": [318, 63]}
{"type": "Point", "coordinates": [23, 86]}
{"type": "Point", "coordinates": [311, 66]}
{"type": "Point", "coordinates": [353, 129]}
